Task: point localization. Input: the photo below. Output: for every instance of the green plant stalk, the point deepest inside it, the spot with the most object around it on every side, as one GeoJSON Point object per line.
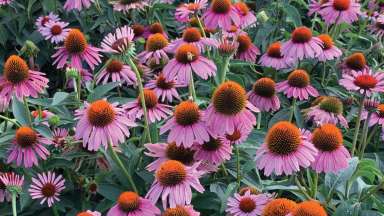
{"type": "Point", "coordinates": [55, 211]}
{"type": "Point", "coordinates": [373, 132]}
{"type": "Point", "coordinates": [192, 90]}
{"type": "Point", "coordinates": [10, 120]}
{"type": "Point", "coordinates": [78, 83]}
{"type": "Point", "coordinates": [117, 160]}
{"type": "Point", "coordinates": [363, 140]}
{"type": "Point", "coordinates": [302, 190]}
{"type": "Point", "coordinates": [238, 176]}
{"type": "Point", "coordinates": [259, 115]}
{"type": "Point", "coordinates": [292, 113]}
{"type": "Point", "coordinates": [224, 69]}
{"type": "Point", "coordinates": [314, 185]}
{"type": "Point", "coordinates": [142, 98]}
{"type": "Point", "coordinates": [323, 74]}
{"type": "Point", "coordinates": [28, 112]}
{"type": "Point", "coordinates": [357, 125]}
{"type": "Point", "coordinates": [201, 27]}
{"type": "Point", "coordinates": [14, 209]}
{"type": "Point", "coordinates": [74, 81]}
{"type": "Point", "coordinates": [372, 190]}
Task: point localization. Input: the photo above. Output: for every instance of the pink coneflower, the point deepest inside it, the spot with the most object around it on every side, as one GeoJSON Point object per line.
{"type": "Point", "coordinates": [12, 180]}
{"type": "Point", "coordinates": [47, 187]}
{"type": "Point", "coordinates": [127, 5]}
{"type": "Point", "coordinates": [89, 213]}
{"type": "Point", "coordinates": [164, 89]}
{"type": "Point", "coordinates": [285, 150]}
{"type": "Point", "coordinates": [329, 110]}
{"type": "Point", "coordinates": [377, 116]}
{"type": "Point", "coordinates": [263, 95]}
{"type": "Point", "coordinates": [181, 211]}
{"type": "Point", "coordinates": [154, 28]}
{"type": "Point", "coordinates": [163, 152]}
{"type": "Point", "coordinates": [5, 195]}
{"type": "Point", "coordinates": [377, 27]}
{"type": "Point", "coordinates": [19, 79]}
{"type": "Point", "coordinates": [77, 4]}
{"type": "Point", "coordinates": [354, 62]}
{"type": "Point", "coordinates": [365, 82]}
{"type": "Point", "coordinates": [239, 135]}
{"type": "Point", "coordinates": [4, 102]}
{"type": "Point", "coordinates": [192, 36]}
{"type": "Point", "coordinates": [5, 2]}
{"type": "Point", "coordinates": [308, 208]}
{"type": "Point", "coordinates": [186, 10]}
{"type": "Point", "coordinates": [101, 122]}
{"type": "Point", "coordinates": [340, 11]}
{"type": "Point", "coordinates": [131, 204]}
{"type": "Point", "coordinates": [302, 44]}
{"type": "Point", "coordinates": [55, 31]}
{"type": "Point", "coordinates": [186, 125]}
{"type": "Point", "coordinates": [27, 147]}
{"type": "Point", "coordinates": [330, 51]}
{"type": "Point", "coordinates": [119, 42]}
{"type": "Point", "coordinates": [173, 183]}
{"type": "Point", "coordinates": [155, 50]}
{"type": "Point", "coordinates": [315, 6]}
{"type": "Point", "coordinates": [279, 207]}
{"type": "Point", "coordinates": [332, 155]}
{"type": "Point", "coordinates": [138, 30]}
{"type": "Point", "coordinates": [247, 204]}
{"type": "Point", "coordinates": [232, 32]}
{"type": "Point", "coordinates": [43, 20]}
{"type": "Point", "coordinates": [76, 49]}
{"type": "Point", "coordinates": [229, 110]}
{"type": "Point", "coordinates": [275, 59]}
{"type": "Point", "coordinates": [116, 71]}
{"type": "Point", "coordinates": [246, 50]}
{"type": "Point", "coordinates": [221, 14]}
{"type": "Point", "coordinates": [58, 137]}
{"type": "Point", "coordinates": [297, 86]}
{"type": "Point", "coordinates": [216, 150]}
{"type": "Point", "coordinates": [247, 18]}
{"type": "Point", "coordinates": [188, 59]}
{"type": "Point", "coordinates": [155, 110]}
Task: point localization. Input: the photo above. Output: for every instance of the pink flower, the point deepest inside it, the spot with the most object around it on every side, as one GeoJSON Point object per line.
{"type": "Point", "coordinates": [164, 89]}
{"type": "Point", "coordinates": [101, 122]}
{"type": "Point", "coordinates": [263, 95]}
{"type": "Point", "coordinates": [315, 6]}
{"type": "Point", "coordinates": [186, 10]}
{"type": "Point", "coordinates": [154, 28]}
{"type": "Point", "coordinates": [377, 117]}
{"type": "Point", "coordinates": [119, 42]}
{"type": "Point", "coordinates": [77, 4]}
{"type": "Point", "coordinates": [247, 204]}
{"type": "Point", "coordinates": [192, 36]}
{"type": "Point", "coordinates": [330, 51]}
{"type": "Point", "coordinates": [221, 14]}
{"type": "Point", "coordinates": [55, 31]}
{"type": "Point", "coordinates": [302, 45]}
{"type": "Point", "coordinates": [27, 147]}
{"type": "Point", "coordinates": [181, 210]}
{"type": "Point", "coordinates": [332, 155]}
{"type": "Point", "coordinates": [275, 59]}
{"type": "Point", "coordinates": [377, 27]}
{"type": "Point", "coordinates": [188, 59]}
{"type": "Point", "coordinates": [285, 150]}
{"type": "Point", "coordinates": [131, 204]}
{"type": "Point", "coordinates": [5, 2]}
{"type": "Point", "coordinates": [297, 86]}
{"type": "Point", "coordinates": [43, 20]}
{"type": "Point", "coordinates": [239, 135]}
{"type": "Point", "coordinates": [364, 82]}
{"type": "Point", "coordinates": [155, 50]}
{"type": "Point", "coordinates": [58, 137]}
{"type": "Point", "coordinates": [76, 49]}
{"type": "Point", "coordinates": [89, 213]}
{"type": "Point", "coordinates": [12, 180]}
{"type": "Point", "coordinates": [47, 187]}
{"type": "Point", "coordinates": [340, 11]}
{"type": "Point", "coordinates": [173, 183]}
{"type": "Point", "coordinates": [125, 6]}
{"type": "Point", "coordinates": [246, 50]}
{"type": "Point", "coordinates": [186, 125]}
{"type": "Point", "coordinates": [355, 62]}
{"type": "Point", "coordinates": [116, 71]}
{"type": "Point", "coordinates": [5, 195]}
{"type": "Point", "coordinates": [247, 18]}
{"type": "Point", "coordinates": [216, 150]}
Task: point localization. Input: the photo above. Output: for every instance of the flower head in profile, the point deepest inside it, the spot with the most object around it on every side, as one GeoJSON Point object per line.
{"type": "Point", "coordinates": [155, 49]}
{"type": "Point", "coordinates": [330, 51]}
{"type": "Point", "coordinates": [247, 18]}
{"type": "Point", "coordinates": [155, 28]}
{"type": "Point", "coordinates": [377, 27]}
{"type": "Point", "coordinates": [186, 10]}
{"type": "Point", "coordinates": [216, 150]}
{"type": "Point", "coordinates": [364, 82]}
{"type": "Point", "coordinates": [173, 184]}
{"type": "Point", "coordinates": [354, 62]}
{"type": "Point", "coordinates": [279, 207]}
{"type": "Point", "coordinates": [332, 156]}
{"type": "Point", "coordinates": [12, 182]}
{"type": "Point", "coordinates": [131, 204]}
{"type": "Point", "coordinates": [27, 147]}
{"type": "Point", "coordinates": [119, 42]}
{"type": "Point", "coordinates": [377, 116]}
{"type": "Point", "coordinates": [5, 195]}
{"type": "Point", "coordinates": [283, 149]}
{"type": "Point", "coordinates": [47, 187]}
{"type": "Point", "coordinates": [239, 135]}
{"type": "Point", "coordinates": [164, 89]}
{"type": "Point", "coordinates": [340, 11]}
{"type": "Point", "coordinates": [181, 210]}
{"type": "Point", "coordinates": [89, 213]}
{"type": "Point", "coordinates": [247, 204]}
{"type": "Point", "coordinates": [76, 50]}
{"type": "Point", "coordinates": [315, 6]}
{"type": "Point", "coordinates": [77, 4]}
{"type": "Point", "coordinates": [274, 58]}
{"type": "Point", "coordinates": [59, 136]}
{"type": "Point", "coordinates": [5, 2]}
{"type": "Point", "coordinates": [221, 14]}
{"type": "Point", "coordinates": [127, 5]}
{"type": "Point", "coordinates": [138, 30]}
{"type": "Point", "coordinates": [43, 20]}
{"type": "Point", "coordinates": [117, 71]}
{"type": "Point", "coordinates": [193, 36]}
{"type": "Point", "coordinates": [297, 86]}
{"type": "Point", "coordinates": [308, 208]}
{"type": "Point", "coordinates": [101, 122]}
{"type": "Point", "coordinates": [56, 32]}
{"type": "Point", "coordinates": [263, 95]}
{"type": "Point", "coordinates": [246, 50]}
{"type": "Point", "coordinates": [328, 110]}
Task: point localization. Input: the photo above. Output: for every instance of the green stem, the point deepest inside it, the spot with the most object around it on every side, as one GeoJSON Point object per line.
{"type": "Point", "coordinates": [323, 74]}
{"type": "Point", "coordinates": [55, 211]}
{"type": "Point", "coordinates": [74, 81]}
{"type": "Point", "coordinates": [224, 169]}
{"type": "Point", "coordinates": [142, 98]}
{"type": "Point", "coordinates": [10, 120]}
{"type": "Point", "coordinates": [224, 69]}
{"type": "Point", "coordinates": [238, 165]}
{"type": "Point", "coordinates": [314, 186]}
{"type": "Point", "coordinates": [202, 32]}
{"type": "Point", "coordinates": [78, 83]}
{"type": "Point", "coordinates": [372, 190]}
{"type": "Point", "coordinates": [192, 90]}
{"type": "Point", "coordinates": [117, 160]}
{"type": "Point", "coordinates": [258, 120]}
{"type": "Point", "coordinates": [14, 209]}
{"type": "Point", "coordinates": [28, 112]}
{"type": "Point", "coordinates": [292, 113]}
{"type": "Point", "coordinates": [301, 188]}
{"type": "Point", "coordinates": [357, 125]}
{"type": "Point", "coordinates": [373, 132]}
{"type": "Point", "coordinates": [363, 139]}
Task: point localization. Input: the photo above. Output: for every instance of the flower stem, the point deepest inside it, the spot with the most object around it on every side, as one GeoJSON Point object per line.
{"type": "Point", "coordinates": [224, 69]}
{"type": "Point", "coordinates": [14, 209]}
{"type": "Point", "coordinates": [292, 113]}
{"type": "Point", "coordinates": [142, 98]}
{"type": "Point", "coordinates": [357, 125]}
{"type": "Point", "coordinates": [28, 113]}
{"type": "Point", "coordinates": [363, 139]}
{"type": "Point", "coordinates": [202, 32]}
{"type": "Point", "coordinates": [238, 165]}
{"type": "Point", "coordinates": [301, 188]}
{"type": "Point", "coordinates": [192, 90]}
{"type": "Point", "coordinates": [258, 120]}
{"type": "Point", "coordinates": [55, 211]}
{"type": "Point", "coordinates": [117, 160]}
{"type": "Point", "coordinates": [74, 81]}
{"type": "Point", "coordinates": [314, 186]}
{"type": "Point", "coordinates": [10, 120]}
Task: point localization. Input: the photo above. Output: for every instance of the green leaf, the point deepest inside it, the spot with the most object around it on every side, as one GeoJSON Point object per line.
{"type": "Point", "coordinates": [100, 91]}
{"type": "Point", "coordinates": [293, 15]}
{"type": "Point", "coordinates": [59, 97]}
{"type": "Point", "coordinates": [19, 111]}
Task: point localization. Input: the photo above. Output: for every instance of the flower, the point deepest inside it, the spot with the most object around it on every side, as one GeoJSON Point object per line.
{"type": "Point", "coordinates": [232, 32]}
{"type": "Point", "coordinates": [55, 31]}
{"type": "Point", "coordinates": [119, 42]}
{"type": "Point", "coordinates": [4, 102]}
{"type": "Point", "coordinates": [329, 110]}
{"type": "Point", "coordinates": [377, 27]}
{"type": "Point", "coordinates": [116, 71]}
{"type": "Point", "coordinates": [186, 126]}
{"type": "Point", "coordinates": [186, 10]}
{"type": "Point", "coordinates": [227, 48]}
{"type": "Point", "coordinates": [297, 86]}
{"type": "Point", "coordinates": [155, 110]}
{"type": "Point", "coordinates": [239, 135]}
{"type": "Point", "coordinates": [340, 11]}
{"type": "Point", "coordinates": [247, 18]}
{"type": "Point", "coordinates": [181, 211]}
{"type": "Point", "coordinates": [27, 147]}
{"type": "Point", "coordinates": [47, 187]}
{"type": "Point", "coordinates": [5, 2]}
{"type": "Point", "coordinates": [274, 58]}
{"type": "Point", "coordinates": [354, 62]}
{"type": "Point", "coordinates": [279, 207]}
{"type": "Point", "coordinates": [330, 51]}
{"type": "Point", "coordinates": [246, 50]}
{"type": "Point", "coordinates": [252, 190]}
{"type": "Point", "coordinates": [131, 204]}
{"type": "Point", "coordinates": [229, 110]}
{"type": "Point", "coordinates": [127, 5]}
{"type": "Point", "coordinates": [77, 4]}
{"type": "Point", "coordinates": [101, 122]}
{"type": "Point", "coordinates": [263, 95]}
{"type": "Point", "coordinates": [5, 195]}
{"type": "Point", "coordinates": [89, 213]}
{"type": "Point", "coordinates": [138, 30]}
{"type": "Point", "coordinates": [193, 36]}
{"type": "Point", "coordinates": [286, 148]}
{"type": "Point", "coordinates": [173, 183]}
{"type": "Point", "coordinates": [164, 89]}
{"type": "Point", "coordinates": [76, 49]}
{"type": "Point", "coordinates": [170, 151]}
{"type": "Point", "coordinates": [308, 208]}
{"type": "Point", "coordinates": [365, 82]}
{"type": "Point", "coordinates": [247, 204]}
{"type": "Point", "coordinates": [221, 14]}
{"type": "Point", "coordinates": [12, 181]}
{"type": "Point", "coordinates": [154, 28]}
{"type": "Point", "coordinates": [315, 6]}
{"type": "Point", "coordinates": [332, 155]}
{"type": "Point", "coordinates": [216, 150]}
{"type": "Point", "coordinates": [377, 117]}
{"type": "Point", "coordinates": [302, 45]}
{"type": "Point", "coordinates": [188, 59]}
{"type": "Point", "coordinates": [58, 137]}
{"type": "Point", "coordinates": [155, 49]}
{"type": "Point", "coordinates": [17, 78]}
{"type": "Point", "coordinates": [43, 20]}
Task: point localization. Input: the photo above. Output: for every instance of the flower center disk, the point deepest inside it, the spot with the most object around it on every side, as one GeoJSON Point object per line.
{"type": "Point", "coordinates": [187, 53]}
{"type": "Point", "coordinates": [16, 69]}
{"type": "Point", "coordinates": [138, 29]}
{"type": "Point", "coordinates": [356, 61]}
{"type": "Point", "coordinates": [187, 113]}
{"type": "Point", "coordinates": [327, 41]}
{"type": "Point", "coordinates": [332, 105]}
{"type": "Point", "coordinates": [327, 138]}
{"type": "Point", "coordinates": [162, 83]}
{"type": "Point", "coordinates": [150, 98]}
{"type": "Point", "coordinates": [212, 145]}
{"type": "Point", "coordinates": [171, 173]}
{"type": "Point", "coordinates": [179, 153]}
{"type": "Point", "coordinates": [129, 201]}
{"type": "Point", "coordinates": [114, 66]}
{"type": "Point", "coordinates": [100, 113]}
{"type": "Point", "coordinates": [236, 135]}
{"type": "Point", "coordinates": [380, 110]}
{"type": "Point", "coordinates": [221, 6]}
{"type": "Point", "coordinates": [156, 28]}
{"type": "Point", "coordinates": [56, 30]}
{"type": "Point", "coordinates": [264, 87]}
{"type": "Point", "coordinates": [191, 35]}
{"type": "Point", "coordinates": [341, 5]}
{"type": "Point", "coordinates": [48, 190]}
{"type": "Point", "coordinates": [247, 205]}
{"type": "Point", "coordinates": [274, 50]}
{"type": "Point", "coordinates": [156, 42]}
{"type": "Point", "coordinates": [120, 44]}
{"type": "Point", "coordinates": [229, 98]}
{"type": "Point", "coordinates": [244, 43]}
{"type": "Point", "coordinates": [365, 81]}
{"type": "Point", "coordinates": [298, 78]}
{"type": "Point", "coordinates": [26, 137]}
{"type": "Point", "coordinates": [242, 7]}
{"type": "Point", "coordinates": [301, 35]}
{"type": "Point", "coordinates": [178, 211]}
{"type": "Point", "coordinates": [283, 138]}
{"type": "Point", "coordinates": [279, 207]}
{"type": "Point", "coordinates": [75, 43]}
